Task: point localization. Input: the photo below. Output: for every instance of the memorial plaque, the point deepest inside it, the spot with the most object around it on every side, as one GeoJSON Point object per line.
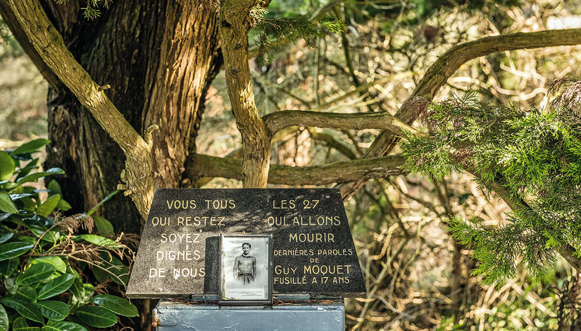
{"type": "Point", "coordinates": [313, 250]}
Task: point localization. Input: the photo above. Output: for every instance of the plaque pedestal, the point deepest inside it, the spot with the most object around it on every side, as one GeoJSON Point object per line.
{"type": "Point", "coordinates": [324, 315]}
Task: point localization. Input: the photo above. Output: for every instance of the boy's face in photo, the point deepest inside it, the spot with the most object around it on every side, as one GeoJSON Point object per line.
{"type": "Point", "coordinates": [245, 249]}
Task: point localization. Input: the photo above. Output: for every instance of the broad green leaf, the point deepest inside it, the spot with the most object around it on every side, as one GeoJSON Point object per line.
{"type": "Point", "coordinates": [63, 205]}
{"type": "Point", "coordinates": [4, 322]}
{"type": "Point", "coordinates": [20, 322]}
{"type": "Point", "coordinates": [54, 187]}
{"type": "Point", "coordinates": [25, 309]}
{"type": "Point", "coordinates": [96, 316]}
{"type": "Point", "coordinates": [8, 267]}
{"type": "Point", "coordinates": [10, 284]}
{"type": "Point", "coordinates": [53, 310]}
{"type": "Point", "coordinates": [55, 261]}
{"type": "Point", "coordinates": [31, 146]}
{"type": "Point", "coordinates": [13, 249]}
{"type": "Point", "coordinates": [25, 293]}
{"type": "Point", "coordinates": [6, 204]}
{"type": "Point", "coordinates": [48, 206]}
{"type": "Point", "coordinates": [89, 290]}
{"type": "Point", "coordinates": [39, 226]}
{"type": "Point", "coordinates": [117, 305]}
{"type": "Point", "coordinates": [98, 240]}
{"type": "Point", "coordinates": [56, 286]}
{"type": "Point", "coordinates": [35, 274]}
{"type": "Point", "coordinates": [104, 227]}
{"type": "Point", "coordinates": [7, 166]}
{"type": "Point", "coordinates": [29, 204]}
{"type": "Point", "coordinates": [34, 176]}
{"type": "Point", "coordinates": [5, 237]}
{"type": "Point", "coordinates": [63, 326]}
{"type": "Point", "coordinates": [27, 169]}
{"type": "Point", "coordinates": [77, 289]}
{"type": "Point", "coordinates": [19, 196]}
{"type": "Point", "coordinates": [111, 267]}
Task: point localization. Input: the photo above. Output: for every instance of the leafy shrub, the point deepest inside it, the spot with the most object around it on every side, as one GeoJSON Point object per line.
{"type": "Point", "coordinates": [43, 258]}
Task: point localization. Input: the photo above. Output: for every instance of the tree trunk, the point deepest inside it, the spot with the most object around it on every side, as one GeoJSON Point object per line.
{"type": "Point", "coordinates": [158, 59]}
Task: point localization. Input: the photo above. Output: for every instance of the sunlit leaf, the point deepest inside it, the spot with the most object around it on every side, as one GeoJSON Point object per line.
{"type": "Point", "coordinates": [35, 273]}
{"type": "Point", "coordinates": [13, 249]}
{"type": "Point", "coordinates": [7, 166]}
{"type": "Point", "coordinates": [96, 316]}
{"type": "Point", "coordinates": [25, 309]}
{"type": "Point", "coordinates": [56, 286]}
{"type": "Point", "coordinates": [117, 305]}
{"type": "Point", "coordinates": [6, 204]}
{"type": "Point", "coordinates": [48, 206]}
{"type": "Point", "coordinates": [34, 176]}
{"type": "Point", "coordinates": [31, 146]}
{"type": "Point", "coordinates": [54, 310]}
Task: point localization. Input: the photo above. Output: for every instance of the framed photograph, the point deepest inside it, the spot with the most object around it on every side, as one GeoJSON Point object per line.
{"type": "Point", "coordinates": [245, 269]}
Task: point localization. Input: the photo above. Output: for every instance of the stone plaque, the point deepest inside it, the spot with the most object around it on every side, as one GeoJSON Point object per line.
{"type": "Point", "coordinates": [313, 250]}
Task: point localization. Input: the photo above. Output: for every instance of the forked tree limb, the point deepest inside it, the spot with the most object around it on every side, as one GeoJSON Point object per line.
{"type": "Point", "coordinates": [235, 20]}
{"type": "Point", "coordinates": [49, 45]}
{"type": "Point", "coordinates": [210, 166]}
{"type": "Point", "coordinates": [446, 66]}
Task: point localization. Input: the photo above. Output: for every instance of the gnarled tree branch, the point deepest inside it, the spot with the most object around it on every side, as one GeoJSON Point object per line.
{"type": "Point", "coordinates": [446, 66]}
{"type": "Point", "coordinates": [355, 121]}
{"type": "Point", "coordinates": [340, 172]}
{"type": "Point", "coordinates": [234, 25]}
{"type": "Point", "coordinates": [49, 44]}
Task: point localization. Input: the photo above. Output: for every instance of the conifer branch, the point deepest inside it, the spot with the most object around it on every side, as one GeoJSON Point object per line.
{"type": "Point", "coordinates": [446, 66]}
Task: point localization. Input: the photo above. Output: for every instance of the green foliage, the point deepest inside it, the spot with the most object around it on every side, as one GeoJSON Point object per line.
{"type": "Point", "coordinates": [92, 9]}
{"type": "Point", "coordinates": [44, 261]}
{"type": "Point", "coordinates": [532, 158]}
{"type": "Point", "coordinates": [277, 32]}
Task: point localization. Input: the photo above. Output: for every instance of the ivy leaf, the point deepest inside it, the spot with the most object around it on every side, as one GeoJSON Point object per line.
{"type": "Point", "coordinates": [7, 166]}
{"type": "Point", "coordinates": [53, 310]}
{"type": "Point", "coordinates": [13, 249]}
{"type": "Point", "coordinates": [117, 305]}
{"type": "Point", "coordinates": [56, 286]}
{"type": "Point", "coordinates": [6, 204]}
{"type": "Point", "coordinates": [48, 206]}
{"type": "Point", "coordinates": [25, 309]}
{"type": "Point", "coordinates": [96, 316]}
{"type": "Point", "coordinates": [63, 326]}
{"type": "Point", "coordinates": [34, 176]}
{"type": "Point", "coordinates": [4, 322]}
{"type": "Point", "coordinates": [35, 274]}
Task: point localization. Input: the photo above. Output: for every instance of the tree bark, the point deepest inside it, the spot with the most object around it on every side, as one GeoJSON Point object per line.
{"type": "Point", "coordinates": [235, 20]}
{"type": "Point", "coordinates": [158, 58]}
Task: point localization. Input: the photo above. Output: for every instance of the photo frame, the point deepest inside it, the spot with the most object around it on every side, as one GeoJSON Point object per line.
{"type": "Point", "coordinates": [245, 269]}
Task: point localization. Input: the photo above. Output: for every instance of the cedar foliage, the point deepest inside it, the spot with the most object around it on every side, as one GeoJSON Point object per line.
{"type": "Point", "coordinates": [534, 155]}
